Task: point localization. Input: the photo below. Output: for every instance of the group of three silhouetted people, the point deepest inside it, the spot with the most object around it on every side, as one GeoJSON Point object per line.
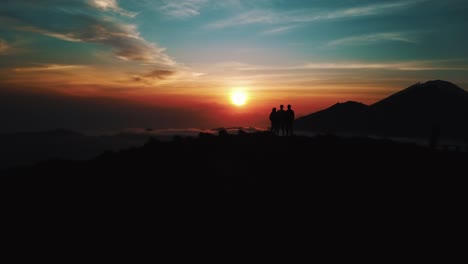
{"type": "Point", "coordinates": [282, 121]}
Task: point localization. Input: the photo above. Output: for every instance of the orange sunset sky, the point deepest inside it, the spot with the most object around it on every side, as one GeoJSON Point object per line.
{"type": "Point", "coordinates": [108, 64]}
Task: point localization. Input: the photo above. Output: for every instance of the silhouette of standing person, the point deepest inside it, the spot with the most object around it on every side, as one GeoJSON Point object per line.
{"type": "Point", "coordinates": [274, 121]}
{"type": "Point", "coordinates": [289, 121]}
{"type": "Point", "coordinates": [281, 120]}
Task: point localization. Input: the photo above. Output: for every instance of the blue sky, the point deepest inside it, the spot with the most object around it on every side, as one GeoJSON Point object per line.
{"type": "Point", "coordinates": [187, 53]}
{"type": "Point", "coordinates": [304, 31]}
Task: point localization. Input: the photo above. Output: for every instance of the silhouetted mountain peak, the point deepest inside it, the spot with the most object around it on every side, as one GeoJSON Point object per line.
{"type": "Point", "coordinates": [414, 110]}
{"type": "Point", "coordinates": [348, 108]}
{"type": "Point", "coordinates": [349, 105]}
{"type": "Point", "coordinates": [441, 84]}
{"type": "Point", "coordinates": [338, 117]}
{"type": "Point", "coordinates": [411, 112]}
{"type": "Point", "coordinates": [430, 91]}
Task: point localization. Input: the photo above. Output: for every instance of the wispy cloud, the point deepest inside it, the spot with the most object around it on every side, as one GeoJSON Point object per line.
{"type": "Point", "coordinates": [262, 16]}
{"type": "Point", "coordinates": [402, 66]}
{"type": "Point", "coordinates": [373, 9]}
{"type": "Point", "coordinates": [373, 38]}
{"type": "Point", "coordinates": [70, 36]}
{"type": "Point", "coordinates": [85, 21]}
{"type": "Point", "coordinates": [278, 30]}
{"type": "Point", "coordinates": [423, 65]}
{"type": "Point", "coordinates": [4, 47]}
{"type": "Point", "coordinates": [49, 67]}
{"type": "Point", "coordinates": [181, 8]}
{"type": "Point", "coordinates": [111, 5]}
{"type": "Point", "coordinates": [124, 39]}
{"type": "Point", "coordinates": [250, 17]}
{"type": "Point", "coordinates": [153, 75]}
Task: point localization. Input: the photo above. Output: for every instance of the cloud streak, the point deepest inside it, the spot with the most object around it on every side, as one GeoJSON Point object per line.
{"type": "Point", "coordinates": [111, 5]}
{"type": "Point", "coordinates": [4, 47]}
{"type": "Point", "coordinates": [251, 17]}
{"type": "Point", "coordinates": [428, 65]}
{"type": "Point", "coordinates": [124, 39]}
{"type": "Point", "coordinates": [278, 30]}
{"type": "Point", "coordinates": [49, 67]}
{"type": "Point", "coordinates": [373, 38]}
{"type": "Point", "coordinates": [306, 16]}
{"type": "Point", "coordinates": [181, 8]}
{"type": "Point", "coordinates": [85, 21]}
{"type": "Point", "coordinates": [373, 9]}
{"type": "Point", "coordinates": [153, 75]}
{"type": "Point", "coordinates": [402, 66]}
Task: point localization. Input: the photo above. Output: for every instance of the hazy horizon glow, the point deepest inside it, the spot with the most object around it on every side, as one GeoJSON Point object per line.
{"type": "Point", "coordinates": [183, 58]}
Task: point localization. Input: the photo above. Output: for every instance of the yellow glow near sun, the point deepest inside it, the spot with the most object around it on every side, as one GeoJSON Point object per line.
{"type": "Point", "coordinates": [239, 97]}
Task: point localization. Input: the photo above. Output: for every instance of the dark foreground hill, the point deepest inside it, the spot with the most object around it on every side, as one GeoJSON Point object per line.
{"type": "Point", "coordinates": [243, 186]}
{"type": "Point", "coordinates": [256, 165]}
{"type": "Point", "coordinates": [412, 112]}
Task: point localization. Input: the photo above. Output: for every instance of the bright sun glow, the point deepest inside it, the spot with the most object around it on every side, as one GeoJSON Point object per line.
{"type": "Point", "coordinates": [239, 97]}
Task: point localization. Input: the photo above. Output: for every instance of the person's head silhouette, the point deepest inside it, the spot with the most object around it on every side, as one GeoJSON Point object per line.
{"type": "Point", "coordinates": [289, 106]}
{"type": "Point", "coordinates": [281, 107]}
{"type": "Point", "coordinates": [274, 109]}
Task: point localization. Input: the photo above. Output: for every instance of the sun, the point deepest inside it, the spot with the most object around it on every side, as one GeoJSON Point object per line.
{"type": "Point", "coordinates": [239, 97]}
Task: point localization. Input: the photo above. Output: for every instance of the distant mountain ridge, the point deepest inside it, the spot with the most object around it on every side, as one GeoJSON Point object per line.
{"type": "Point", "coordinates": [412, 112]}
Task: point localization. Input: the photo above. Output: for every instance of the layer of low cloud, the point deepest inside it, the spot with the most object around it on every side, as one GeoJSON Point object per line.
{"type": "Point", "coordinates": [36, 112]}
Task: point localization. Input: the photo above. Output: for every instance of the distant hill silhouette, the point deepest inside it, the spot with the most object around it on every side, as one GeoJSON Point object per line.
{"type": "Point", "coordinates": [341, 117]}
{"type": "Point", "coordinates": [412, 112]}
